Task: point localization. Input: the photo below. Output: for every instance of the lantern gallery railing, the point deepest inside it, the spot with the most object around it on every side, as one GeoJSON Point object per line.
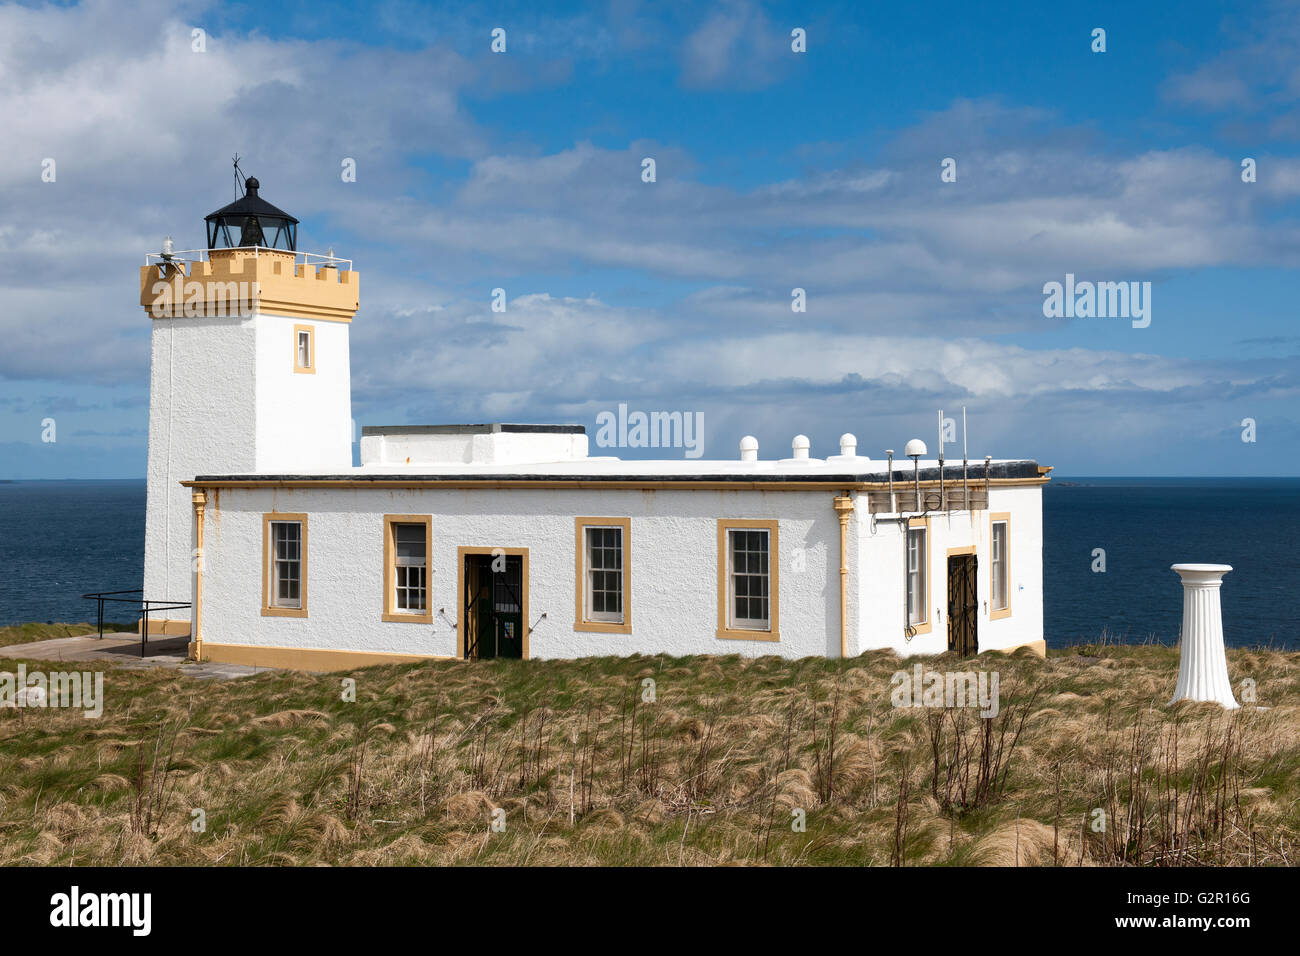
{"type": "Point", "coordinates": [168, 257]}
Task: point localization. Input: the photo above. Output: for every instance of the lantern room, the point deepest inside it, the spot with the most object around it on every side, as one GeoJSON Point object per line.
{"type": "Point", "coordinates": [251, 221]}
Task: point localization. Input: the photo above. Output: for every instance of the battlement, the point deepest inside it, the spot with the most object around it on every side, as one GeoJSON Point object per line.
{"type": "Point", "coordinates": [244, 282]}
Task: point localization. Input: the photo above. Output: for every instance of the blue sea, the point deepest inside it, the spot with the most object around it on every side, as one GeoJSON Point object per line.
{"type": "Point", "coordinates": [60, 539]}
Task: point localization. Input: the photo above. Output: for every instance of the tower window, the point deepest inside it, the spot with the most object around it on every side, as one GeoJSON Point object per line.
{"type": "Point", "coordinates": [304, 349]}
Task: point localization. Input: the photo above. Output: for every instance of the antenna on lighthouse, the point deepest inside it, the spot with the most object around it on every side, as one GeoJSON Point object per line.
{"type": "Point", "coordinates": [239, 174]}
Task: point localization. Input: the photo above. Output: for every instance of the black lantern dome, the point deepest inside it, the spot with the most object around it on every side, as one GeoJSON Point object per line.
{"type": "Point", "coordinates": [252, 221]}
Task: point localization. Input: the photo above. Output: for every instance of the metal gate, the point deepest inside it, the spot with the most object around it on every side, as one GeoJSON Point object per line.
{"type": "Point", "coordinates": [963, 605]}
{"type": "Point", "coordinates": [493, 609]}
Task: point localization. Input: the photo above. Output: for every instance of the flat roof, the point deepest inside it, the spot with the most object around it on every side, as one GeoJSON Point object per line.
{"type": "Point", "coordinates": [851, 471]}
{"type": "Point", "coordinates": [484, 429]}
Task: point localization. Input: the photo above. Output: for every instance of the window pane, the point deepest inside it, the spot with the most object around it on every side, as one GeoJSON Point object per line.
{"type": "Point", "coordinates": [748, 552]}
{"type": "Point", "coordinates": [286, 561]}
{"type": "Point", "coordinates": [604, 574]}
{"type": "Point", "coordinates": [999, 560]}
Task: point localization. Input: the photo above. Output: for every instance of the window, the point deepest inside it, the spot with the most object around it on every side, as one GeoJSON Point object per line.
{"type": "Point", "coordinates": [408, 542]}
{"type": "Point", "coordinates": [603, 577]}
{"type": "Point", "coordinates": [284, 575]}
{"type": "Point", "coordinates": [304, 349]}
{"type": "Point", "coordinates": [999, 565]}
{"type": "Point", "coordinates": [748, 589]}
{"type": "Point", "coordinates": [918, 577]}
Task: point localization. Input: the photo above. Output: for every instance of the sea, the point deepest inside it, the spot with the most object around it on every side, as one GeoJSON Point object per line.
{"type": "Point", "coordinates": [1107, 547]}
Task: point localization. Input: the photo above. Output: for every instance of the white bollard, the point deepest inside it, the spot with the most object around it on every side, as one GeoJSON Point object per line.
{"type": "Point", "coordinates": [1203, 665]}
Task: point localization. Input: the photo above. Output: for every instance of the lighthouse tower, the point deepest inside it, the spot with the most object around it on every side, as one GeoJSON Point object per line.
{"type": "Point", "coordinates": [248, 374]}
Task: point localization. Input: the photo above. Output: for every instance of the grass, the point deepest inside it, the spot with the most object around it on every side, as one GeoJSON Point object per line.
{"type": "Point", "coordinates": [27, 633]}
{"type": "Point", "coordinates": [576, 763]}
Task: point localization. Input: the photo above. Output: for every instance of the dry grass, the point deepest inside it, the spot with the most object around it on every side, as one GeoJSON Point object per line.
{"type": "Point", "coordinates": [713, 771]}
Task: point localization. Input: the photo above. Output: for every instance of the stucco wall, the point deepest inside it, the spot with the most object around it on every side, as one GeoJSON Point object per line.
{"type": "Point", "coordinates": [201, 415]}
{"type": "Point", "coordinates": [673, 560]}
{"type": "Point", "coordinates": [223, 397]}
{"type": "Point", "coordinates": [882, 587]}
{"type": "Point", "coordinates": [304, 420]}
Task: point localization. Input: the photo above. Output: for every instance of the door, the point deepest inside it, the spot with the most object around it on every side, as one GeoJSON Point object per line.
{"type": "Point", "coordinates": [493, 606]}
{"type": "Point", "coordinates": [963, 605]}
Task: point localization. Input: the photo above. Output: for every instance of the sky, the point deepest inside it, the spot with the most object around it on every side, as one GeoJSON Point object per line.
{"type": "Point", "coordinates": [775, 170]}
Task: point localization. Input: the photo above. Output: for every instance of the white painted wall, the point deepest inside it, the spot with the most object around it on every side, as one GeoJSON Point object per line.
{"type": "Point", "coordinates": [882, 585]}
{"type": "Point", "coordinates": [673, 561]}
{"type": "Point", "coordinates": [303, 421]}
{"type": "Point", "coordinates": [397, 446]}
{"type": "Point", "coordinates": [201, 416]}
{"type": "Point", "coordinates": [223, 398]}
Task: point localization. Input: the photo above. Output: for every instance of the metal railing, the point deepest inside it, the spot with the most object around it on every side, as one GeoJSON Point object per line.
{"type": "Point", "coordinates": [147, 607]}
{"type": "Point", "coordinates": [178, 257]}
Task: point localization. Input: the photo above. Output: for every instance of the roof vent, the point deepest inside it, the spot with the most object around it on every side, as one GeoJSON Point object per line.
{"type": "Point", "coordinates": [800, 446]}
{"type": "Point", "coordinates": [749, 448]}
{"type": "Point", "coordinates": [848, 445]}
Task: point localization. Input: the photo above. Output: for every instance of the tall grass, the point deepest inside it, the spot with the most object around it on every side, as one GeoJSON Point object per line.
{"type": "Point", "coordinates": [735, 761]}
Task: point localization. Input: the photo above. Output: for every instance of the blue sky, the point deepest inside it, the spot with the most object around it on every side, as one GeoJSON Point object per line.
{"type": "Point", "coordinates": [775, 170]}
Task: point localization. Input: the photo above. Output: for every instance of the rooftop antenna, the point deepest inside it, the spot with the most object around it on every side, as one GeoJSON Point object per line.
{"type": "Point", "coordinates": [889, 452]}
{"type": "Point", "coordinates": [914, 449]}
{"type": "Point", "coordinates": [965, 493]}
{"type": "Point", "coordinates": [943, 497]}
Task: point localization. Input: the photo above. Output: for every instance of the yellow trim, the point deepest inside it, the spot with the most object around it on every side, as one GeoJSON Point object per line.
{"type": "Point", "coordinates": [997, 614]}
{"type": "Point", "coordinates": [580, 622]}
{"type": "Point", "coordinates": [199, 499]}
{"type": "Point", "coordinates": [274, 283]}
{"type": "Point", "coordinates": [389, 611]}
{"type": "Point", "coordinates": [922, 627]}
{"type": "Point", "coordinates": [843, 506]}
{"type": "Point", "coordinates": [460, 593]}
{"type": "Point", "coordinates": [267, 609]}
{"type": "Point", "coordinates": [310, 367]}
{"type": "Point", "coordinates": [304, 658]}
{"type": "Point", "coordinates": [725, 630]}
{"type": "Point", "coordinates": [584, 484]}
{"type": "Point", "coordinates": [165, 627]}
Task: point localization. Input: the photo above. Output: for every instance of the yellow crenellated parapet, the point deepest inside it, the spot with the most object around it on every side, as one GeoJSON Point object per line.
{"type": "Point", "coordinates": [235, 282]}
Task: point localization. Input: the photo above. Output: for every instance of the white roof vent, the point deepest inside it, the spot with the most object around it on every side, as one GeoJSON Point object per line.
{"type": "Point", "coordinates": [848, 445]}
{"type": "Point", "coordinates": [801, 444]}
{"type": "Point", "coordinates": [749, 448]}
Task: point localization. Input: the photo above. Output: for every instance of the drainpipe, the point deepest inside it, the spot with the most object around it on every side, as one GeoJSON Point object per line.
{"type": "Point", "coordinates": [196, 640]}
{"type": "Point", "coordinates": [844, 508]}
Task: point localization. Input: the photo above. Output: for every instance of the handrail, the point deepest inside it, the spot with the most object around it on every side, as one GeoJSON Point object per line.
{"type": "Point", "coordinates": [174, 258]}
{"type": "Point", "coordinates": [147, 607]}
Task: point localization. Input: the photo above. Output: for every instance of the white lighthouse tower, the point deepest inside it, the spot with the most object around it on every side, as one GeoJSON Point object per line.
{"type": "Point", "coordinates": [249, 373]}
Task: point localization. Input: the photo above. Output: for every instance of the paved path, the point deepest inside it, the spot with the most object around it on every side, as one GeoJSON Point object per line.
{"type": "Point", "coordinates": [124, 650]}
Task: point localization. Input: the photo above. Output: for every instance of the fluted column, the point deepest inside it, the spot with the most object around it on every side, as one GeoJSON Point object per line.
{"type": "Point", "coordinates": [1203, 665]}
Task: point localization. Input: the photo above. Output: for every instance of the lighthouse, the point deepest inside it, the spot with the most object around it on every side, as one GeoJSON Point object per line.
{"type": "Point", "coordinates": [249, 371]}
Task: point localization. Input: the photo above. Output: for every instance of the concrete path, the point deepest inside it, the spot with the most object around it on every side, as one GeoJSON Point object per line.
{"type": "Point", "coordinates": [124, 651]}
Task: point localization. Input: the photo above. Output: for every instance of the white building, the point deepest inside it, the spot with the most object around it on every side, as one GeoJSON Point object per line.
{"type": "Point", "coordinates": [484, 540]}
